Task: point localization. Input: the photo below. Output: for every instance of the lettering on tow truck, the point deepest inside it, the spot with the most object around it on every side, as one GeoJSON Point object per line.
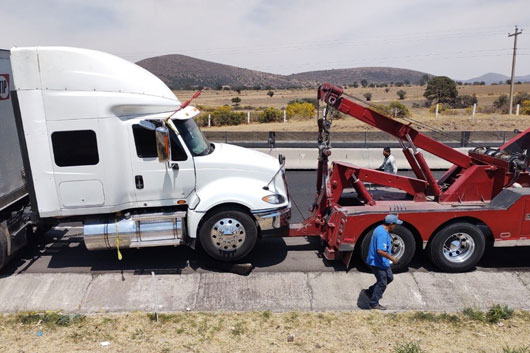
{"type": "Point", "coordinates": [4, 86]}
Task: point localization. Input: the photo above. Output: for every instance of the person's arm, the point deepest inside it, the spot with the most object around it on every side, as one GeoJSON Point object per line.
{"type": "Point", "coordinates": [382, 166]}
{"type": "Point", "coordinates": [388, 256]}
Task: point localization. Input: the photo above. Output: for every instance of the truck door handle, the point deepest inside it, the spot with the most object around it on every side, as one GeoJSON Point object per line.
{"type": "Point", "coordinates": [139, 181]}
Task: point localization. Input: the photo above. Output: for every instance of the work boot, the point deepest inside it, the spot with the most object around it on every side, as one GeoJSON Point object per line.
{"type": "Point", "coordinates": [377, 307]}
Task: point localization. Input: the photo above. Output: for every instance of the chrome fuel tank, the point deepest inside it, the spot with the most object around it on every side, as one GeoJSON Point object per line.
{"type": "Point", "coordinates": [134, 231]}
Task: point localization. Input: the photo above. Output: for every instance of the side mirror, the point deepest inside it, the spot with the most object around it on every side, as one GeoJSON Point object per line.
{"type": "Point", "coordinates": [163, 144]}
{"type": "Point", "coordinates": [148, 125]}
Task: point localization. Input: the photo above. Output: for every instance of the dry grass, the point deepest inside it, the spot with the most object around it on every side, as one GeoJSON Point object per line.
{"type": "Point", "coordinates": [266, 332]}
{"type": "Point", "coordinates": [461, 122]}
{"type": "Point", "coordinates": [213, 98]}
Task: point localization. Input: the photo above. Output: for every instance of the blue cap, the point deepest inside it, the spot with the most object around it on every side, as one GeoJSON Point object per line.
{"type": "Point", "coordinates": [393, 219]}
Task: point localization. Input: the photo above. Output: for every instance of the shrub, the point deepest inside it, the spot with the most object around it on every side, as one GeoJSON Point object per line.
{"type": "Point", "coordinates": [270, 93]}
{"type": "Point", "coordinates": [520, 97]}
{"type": "Point", "coordinates": [465, 101]}
{"type": "Point", "coordinates": [201, 120]}
{"type": "Point", "coordinates": [400, 109]}
{"type": "Point", "coordinates": [313, 101]}
{"type": "Point", "coordinates": [270, 115]}
{"type": "Point", "coordinates": [302, 110]}
{"type": "Point", "coordinates": [368, 96]}
{"type": "Point", "coordinates": [441, 108]}
{"type": "Point", "coordinates": [525, 107]}
{"type": "Point", "coordinates": [473, 314]}
{"type": "Point", "coordinates": [225, 116]}
{"type": "Point", "coordinates": [236, 100]}
{"type": "Point", "coordinates": [497, 313]}
{"type": "Point", "coordinates": [401, 94]}
{"type": "Point", "coordinates": [410, 347]}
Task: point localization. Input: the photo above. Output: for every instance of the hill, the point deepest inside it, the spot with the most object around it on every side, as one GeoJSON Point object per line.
{"type": "Point", "coordinates": [493, 77]}
{"type": "Point", "coordinates": [184, 72]}
{"type": "Point", "coordinates": [371, 74]}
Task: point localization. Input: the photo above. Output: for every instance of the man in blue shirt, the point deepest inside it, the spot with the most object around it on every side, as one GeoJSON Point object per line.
{"type": "Point", "coordinates": [379, 257]}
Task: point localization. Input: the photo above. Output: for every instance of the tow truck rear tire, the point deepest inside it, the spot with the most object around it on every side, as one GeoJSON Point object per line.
{"type": "Point", "coordinates": [457, 247]}
{"type": "Point", "coordinates": [403, 247]}
{"type": "Point", "coordinates": [228, 235]}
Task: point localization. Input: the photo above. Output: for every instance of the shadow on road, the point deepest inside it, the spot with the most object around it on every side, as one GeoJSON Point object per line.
{"type": "Point", "coordinates": [58, 252]}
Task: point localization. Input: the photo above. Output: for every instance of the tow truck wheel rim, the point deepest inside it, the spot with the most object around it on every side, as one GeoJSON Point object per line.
{"type": "Point", "coordinates": [398, 245]}
{"type": "Point", "coordinates": [458, 247]}
{"type": "Point", "coordinates": [228, 234]}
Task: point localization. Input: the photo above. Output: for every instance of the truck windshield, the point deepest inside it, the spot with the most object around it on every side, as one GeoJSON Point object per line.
{"type": "Point", "coordinates": [193, 137]}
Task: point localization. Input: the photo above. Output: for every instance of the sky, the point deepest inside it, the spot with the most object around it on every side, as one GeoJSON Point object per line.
{"type": "Point", "coordinates": [460, 39]}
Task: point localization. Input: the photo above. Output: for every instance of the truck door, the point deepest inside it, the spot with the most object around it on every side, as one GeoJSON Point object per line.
{"type": "Point", "coordinates": [155, 183]}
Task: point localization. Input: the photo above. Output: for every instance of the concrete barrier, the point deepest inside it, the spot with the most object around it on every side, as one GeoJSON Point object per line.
{"type": "Point", "coordinates": [306, 158]}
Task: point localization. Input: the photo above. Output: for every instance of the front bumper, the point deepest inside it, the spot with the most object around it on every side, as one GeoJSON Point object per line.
{"type": "Point", "coordinates": [274, 222]}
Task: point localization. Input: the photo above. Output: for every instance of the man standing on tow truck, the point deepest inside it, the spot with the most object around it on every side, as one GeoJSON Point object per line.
{"type": "Point", "coordinates": [389, 163]}
{"type": "Point", "coordinates": [379, 257]}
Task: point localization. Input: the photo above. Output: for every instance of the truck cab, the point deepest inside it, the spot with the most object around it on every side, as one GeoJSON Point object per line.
{"type": "Point", "coordinates": [105, 141]}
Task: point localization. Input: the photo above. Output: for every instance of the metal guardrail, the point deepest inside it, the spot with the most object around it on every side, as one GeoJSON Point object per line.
{"type": "Point", "coordinates": [369, 139]}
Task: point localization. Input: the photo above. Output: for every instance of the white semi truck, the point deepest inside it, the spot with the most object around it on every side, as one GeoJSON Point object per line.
{"type": "Point", "coordinates": [85, 136]}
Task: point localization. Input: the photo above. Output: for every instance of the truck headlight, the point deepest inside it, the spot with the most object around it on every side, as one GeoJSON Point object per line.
{"type": "Point", "coordinates": [274, 199]}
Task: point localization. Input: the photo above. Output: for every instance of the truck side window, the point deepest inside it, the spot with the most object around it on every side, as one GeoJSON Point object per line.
{"type": "Point", "coordinates": [75, 148]}
{"type": "Point", "coordinates": [145, 143]}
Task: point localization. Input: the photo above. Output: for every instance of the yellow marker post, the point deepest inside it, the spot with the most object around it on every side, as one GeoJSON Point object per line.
{"type": "Point", "coordinates": [117, 238]}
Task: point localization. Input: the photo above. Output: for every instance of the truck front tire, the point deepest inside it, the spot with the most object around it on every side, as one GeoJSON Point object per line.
{"type": "Point", "coordinates": [3, 250]}
{"type": "Point", "coordinates": [228, 235]}
{"type": "Point", "coordinates": [403, 247]}
{"type": "Point", "coordinates": [457, 247]}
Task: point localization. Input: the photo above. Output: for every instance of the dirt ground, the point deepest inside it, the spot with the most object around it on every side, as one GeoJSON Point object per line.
{"type": "Point", "coordinates": [253, 101]}
{"type": "Point", "coordinates": [265, 332]}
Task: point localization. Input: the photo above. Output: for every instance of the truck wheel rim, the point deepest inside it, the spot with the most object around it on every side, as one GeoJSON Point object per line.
{"type": "Point", "coordinates": [228, 234]}
{"type": "Point", "coordinates": [458, 247]}
{"type": "Point", "coordinates": [398, 246]}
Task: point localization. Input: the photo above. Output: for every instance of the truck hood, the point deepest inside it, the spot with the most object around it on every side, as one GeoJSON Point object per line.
{"type": "Point", "coordinates": [230, 157]}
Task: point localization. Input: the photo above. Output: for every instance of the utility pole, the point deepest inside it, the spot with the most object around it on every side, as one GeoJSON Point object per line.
{"type": "Point", "coordinates": [514, 35]}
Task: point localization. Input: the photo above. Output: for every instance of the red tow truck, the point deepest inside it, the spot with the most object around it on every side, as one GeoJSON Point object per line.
{"type": "Point", "coordinates": [483, 199]}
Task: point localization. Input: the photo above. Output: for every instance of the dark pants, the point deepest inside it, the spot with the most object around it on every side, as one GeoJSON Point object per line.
{"type": "Point", "coordinates": [383, 277]}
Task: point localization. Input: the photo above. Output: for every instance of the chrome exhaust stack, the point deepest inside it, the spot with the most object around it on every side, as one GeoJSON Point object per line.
{"type": "Point", "coordinates": [134, 231]}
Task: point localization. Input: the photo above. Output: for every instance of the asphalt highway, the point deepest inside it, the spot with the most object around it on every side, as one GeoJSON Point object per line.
{"type": "Point", "coordinates": [62, 250]}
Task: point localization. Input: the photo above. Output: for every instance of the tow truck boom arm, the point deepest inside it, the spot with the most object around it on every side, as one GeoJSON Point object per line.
{"type": "Point", "coordinates": [332, 95]}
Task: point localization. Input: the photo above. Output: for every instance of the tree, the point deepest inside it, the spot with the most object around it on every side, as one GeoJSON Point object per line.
{"type": "Point", "coordinates": [355, 84]}
{"type": "Point", "coordinates": [368, 96]}
{"type": "Point", "coordinates": [441, 89]}
{"type": "Point", "coordinates": [236, 100]}
{"type": "Point", "coordinates": [364, 83]}
{"type": "Point", "coordinates": [387, 89]}
{"type": "Point", "coordinates": [401, 93]}
{"type": "Point", "coordinates": [270, 94]}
